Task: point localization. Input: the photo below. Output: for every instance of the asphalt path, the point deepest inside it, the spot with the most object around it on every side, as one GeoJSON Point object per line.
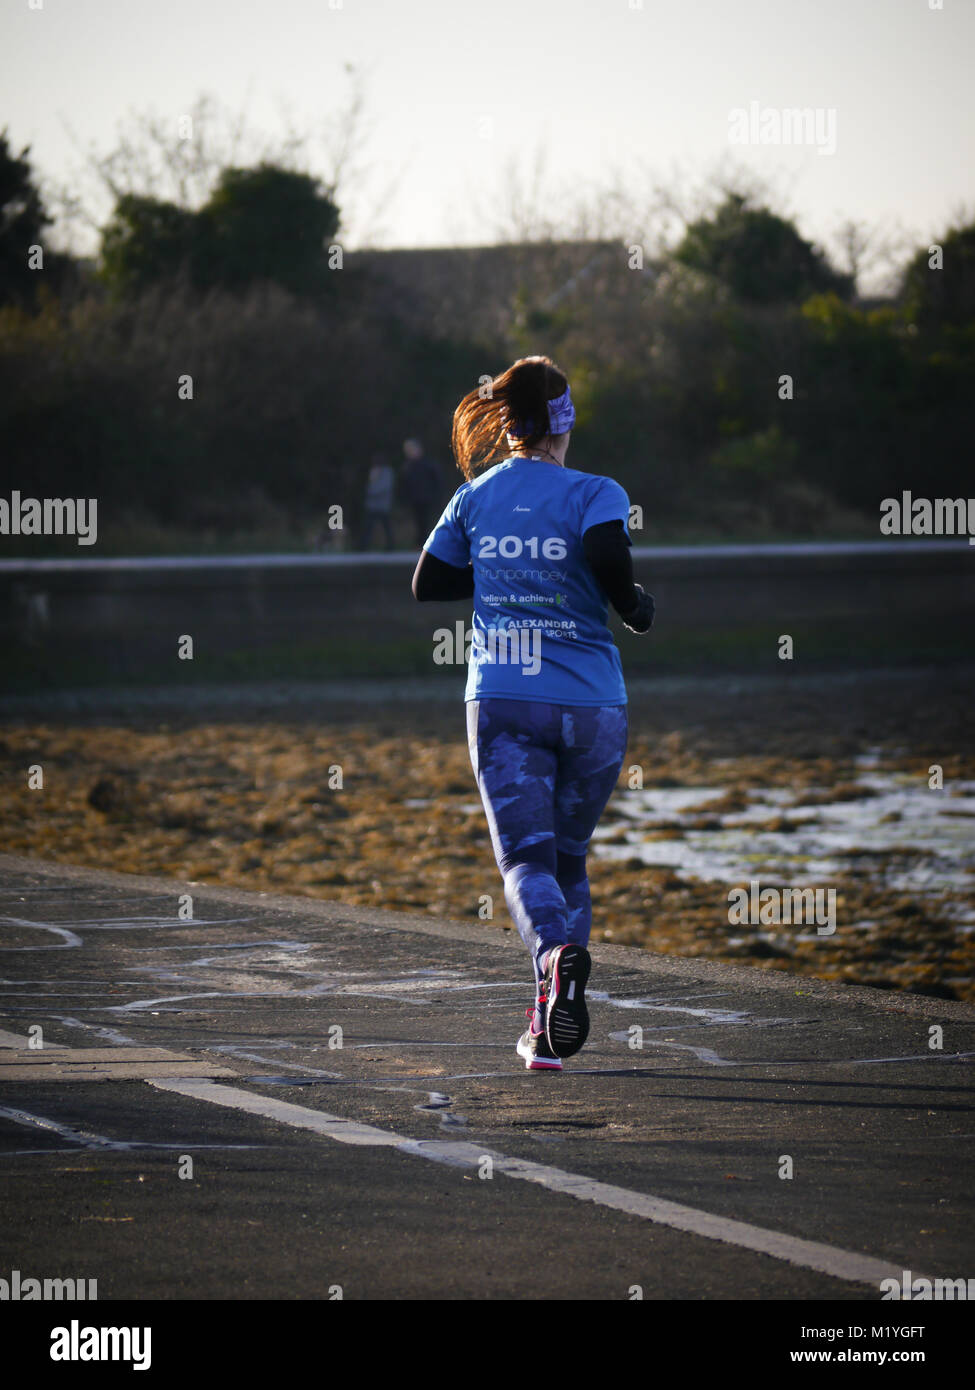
{"type": "Point", "coordinates": [285, 1098]}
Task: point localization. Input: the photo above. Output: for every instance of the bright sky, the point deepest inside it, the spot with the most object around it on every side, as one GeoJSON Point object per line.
{"type": "Point", "coordinates": [455, 90]}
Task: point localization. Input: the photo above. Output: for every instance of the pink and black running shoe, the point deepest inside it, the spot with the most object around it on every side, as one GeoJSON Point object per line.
{"type": "Point", "coordinates": [566, 1016]}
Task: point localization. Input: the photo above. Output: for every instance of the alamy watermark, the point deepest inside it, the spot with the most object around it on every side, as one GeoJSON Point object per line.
{"type": "Point", "coordinates": [21, 1289]}
{"type": "Point", "coordinates": [919, 1290]}
{"type": "Point", "coordinates": [50, 516]}
{"type": "Point", "coordinates": [77, 1343]}
{"type": "Point", "coordinates": [519, 644]}
{"type": "Point", "coordinates": [788, 125]}
{"type": "Point", "coordinates": [766, 907]}
{"type": "Point", "coordinates": [925, 516]}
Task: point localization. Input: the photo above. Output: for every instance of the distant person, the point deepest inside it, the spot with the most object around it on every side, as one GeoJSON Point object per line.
{"type": "Point", "coordinates": [379, 502]}
{"type": "Point", "coordinates": [542, 550]}
{"type": "Point", "coordinates": [423, 487]}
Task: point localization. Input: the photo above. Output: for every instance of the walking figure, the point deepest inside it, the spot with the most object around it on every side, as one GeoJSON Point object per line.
{"type": "Point", "coordinates": [422, 485]}
{"type": "Point", "coordinates": [379, 502]}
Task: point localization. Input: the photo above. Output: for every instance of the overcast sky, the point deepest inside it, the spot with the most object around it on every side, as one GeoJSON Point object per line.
{"type": "Point", "coordinates": [455, 91]}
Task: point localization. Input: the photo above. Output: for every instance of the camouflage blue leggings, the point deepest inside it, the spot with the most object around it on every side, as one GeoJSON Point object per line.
{"type": "Point", "coordinates": [545, 774]}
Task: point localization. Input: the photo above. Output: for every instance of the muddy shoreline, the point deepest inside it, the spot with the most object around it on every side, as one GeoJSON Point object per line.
{"type": "Point", "coordinates": [363, 793]}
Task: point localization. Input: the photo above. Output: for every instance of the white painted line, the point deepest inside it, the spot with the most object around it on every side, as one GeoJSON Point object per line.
{"type": "Point", "coordinates": [90, 1141]}
{"type": "Point", "coordinates": [809, 1254]}
{"type": "Point", "coordinates": [76, 1136]}
{"type": "Point", "coordinates": [71, 938]}
{"type": "Point", "coordinates": [332, 1126]}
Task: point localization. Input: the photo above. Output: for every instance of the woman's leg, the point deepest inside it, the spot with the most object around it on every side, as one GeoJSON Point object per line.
{"type": "Point", "coordinates": [592, 742]}
{"type": "Point", "coordinates": [593, 745]}
{"type": "Point", "coordinates": [514, 754]}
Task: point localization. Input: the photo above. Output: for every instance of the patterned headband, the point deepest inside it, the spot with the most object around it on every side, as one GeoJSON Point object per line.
{"type": "Point", "coordinates": [561, 418]}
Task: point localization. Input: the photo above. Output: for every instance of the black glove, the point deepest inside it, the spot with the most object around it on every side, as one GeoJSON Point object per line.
{"type": "Point", "coordinates": [640, 618]}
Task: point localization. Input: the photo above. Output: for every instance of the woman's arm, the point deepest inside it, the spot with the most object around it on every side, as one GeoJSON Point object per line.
{"type": "Point", "coordinates": [607, 549]}
{"type": "Point", "coordinates": [435, 579]}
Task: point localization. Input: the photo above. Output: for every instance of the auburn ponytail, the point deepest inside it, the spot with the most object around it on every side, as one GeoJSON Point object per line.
{"type": "Point", "coordinates": [515, 403]}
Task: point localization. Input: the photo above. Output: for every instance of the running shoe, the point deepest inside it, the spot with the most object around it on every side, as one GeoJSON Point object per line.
{"type": "Point", "coordinates": [536, 1051]}
{"type": "Point", "coordinates": [566, 1016]}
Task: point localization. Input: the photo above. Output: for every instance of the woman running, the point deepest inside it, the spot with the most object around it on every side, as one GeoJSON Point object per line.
{"type": "Point", "coordinates": [541, 548]}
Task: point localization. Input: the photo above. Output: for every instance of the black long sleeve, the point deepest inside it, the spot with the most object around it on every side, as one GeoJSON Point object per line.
{"type": "Point", "coordinates": [435, 579]}
{"type": "Point", "coordinates": [607, 549]}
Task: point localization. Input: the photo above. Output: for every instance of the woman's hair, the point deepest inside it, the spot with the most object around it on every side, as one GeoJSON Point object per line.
{"type": "Point", "coordinates": [516, 403]}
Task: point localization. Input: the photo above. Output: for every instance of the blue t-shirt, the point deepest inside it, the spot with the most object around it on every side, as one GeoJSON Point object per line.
{"type": "Point", "coordinates": [539, 625]}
